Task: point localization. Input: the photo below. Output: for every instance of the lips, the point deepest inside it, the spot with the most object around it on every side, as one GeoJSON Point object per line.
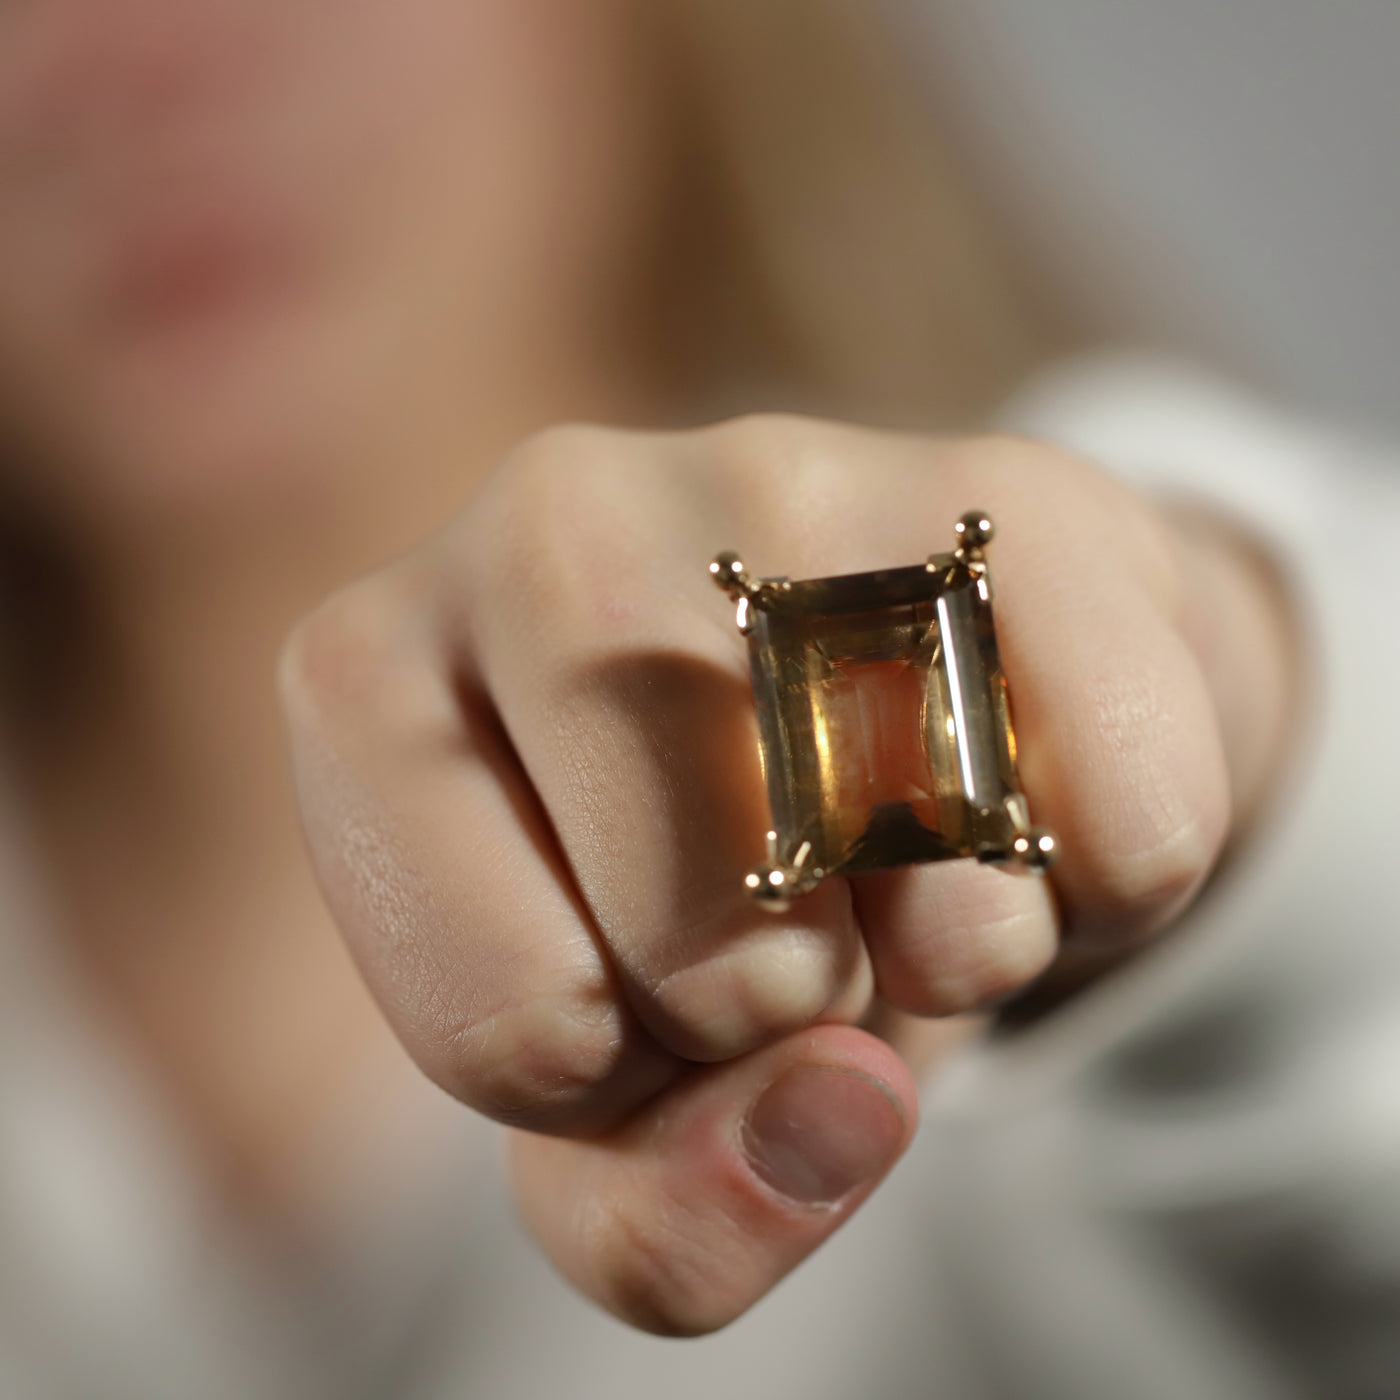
{"type": "Point", "coordinates": [180, 267]}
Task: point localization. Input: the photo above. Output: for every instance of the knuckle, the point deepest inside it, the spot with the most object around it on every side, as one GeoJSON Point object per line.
{"type": "Point", "coordinates": [1074, 497]}
{"type": "Point", "coordinates": [536, 1065]}
{"type": "Point", "coordinates": [1011, 465]}
{"type": "Point", "coordinates": [1149, 865]}
{"type": "Point", "coordinates": [773, 463]}
{"type": "Point", "coordinates": [333, 654]}
{"type": "Point", "coordinates": [516, 509]}
{"type": "Point", "coordinates": [1142, 887]}
{"type": "Point", "coordinates": [546, 461]}
{"type": "Point", "coordinates": [361, 660]}
{"type": "Point", "coordinates": [1018, 452]}
{"type": "Point", "coordinates": [989, 962]}
{"type": "Point", "coordinates": [948, 939]}
{"type": "Point", "coordinates": [768, 431]}
{"type": "Point", "coordinates": [564, 477]}
{"type": "Point", "coordinates": [557, 520]}
{"type": "Point", "coordinates": [753, 993]}
{"type": "Point", "coordinates": [1027, 460]}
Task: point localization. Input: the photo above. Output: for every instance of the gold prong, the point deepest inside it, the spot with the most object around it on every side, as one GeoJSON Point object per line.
{"type": "Point", "coordinates": [776, 884]}
{"type": "Point", "coordinates": [728, 572]}
{"type": "Point", "coordinates": [1035, 850]}
{"type": "Point", "coordinates": [972, 534]}
{"type": "Point", "coordinates": [772, 886]}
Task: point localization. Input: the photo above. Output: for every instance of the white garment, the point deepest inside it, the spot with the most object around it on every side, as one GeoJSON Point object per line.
{"type": "Point", "coordinates": [1043, 1238]}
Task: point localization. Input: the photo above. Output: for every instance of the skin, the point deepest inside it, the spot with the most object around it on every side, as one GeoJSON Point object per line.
{"type": "Point", "coordinates": [526, 759]}
{"type": "Point", "coordinates": [258, 334]}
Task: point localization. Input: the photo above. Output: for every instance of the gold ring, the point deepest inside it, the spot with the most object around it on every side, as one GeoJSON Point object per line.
{"type": "Point", "coordinates": [883, 717]}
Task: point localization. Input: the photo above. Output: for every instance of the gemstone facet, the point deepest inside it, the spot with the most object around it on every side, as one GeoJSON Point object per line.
{"type": "Point", "coordinates": [884, 724]}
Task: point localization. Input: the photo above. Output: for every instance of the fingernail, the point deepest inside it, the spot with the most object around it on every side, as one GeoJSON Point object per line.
{"type": "Point", "coordinates": [815, 1133]}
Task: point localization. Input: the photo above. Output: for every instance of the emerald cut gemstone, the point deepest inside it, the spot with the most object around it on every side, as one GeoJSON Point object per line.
{"type": "Point", "coordinates": [883, 719]}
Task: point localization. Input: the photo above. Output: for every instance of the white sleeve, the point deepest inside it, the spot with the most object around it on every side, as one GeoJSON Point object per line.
{"type": "Point", "coordinates": [1172, 428]}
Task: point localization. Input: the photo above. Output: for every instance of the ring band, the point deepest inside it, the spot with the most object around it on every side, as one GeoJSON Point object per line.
{"type": "Point", "coordinates": [883, 717]}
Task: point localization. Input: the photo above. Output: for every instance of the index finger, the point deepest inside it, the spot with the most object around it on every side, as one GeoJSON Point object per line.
{"type": "Point", "coordinates": [443, 872]}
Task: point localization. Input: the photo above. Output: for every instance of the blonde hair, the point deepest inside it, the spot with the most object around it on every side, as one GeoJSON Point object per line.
{"type": "Point", "coordinates": [840, 254]}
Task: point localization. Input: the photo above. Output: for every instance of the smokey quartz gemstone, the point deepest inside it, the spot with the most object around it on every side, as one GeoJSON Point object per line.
{"type": "Point", "coordinates": [883, 719]}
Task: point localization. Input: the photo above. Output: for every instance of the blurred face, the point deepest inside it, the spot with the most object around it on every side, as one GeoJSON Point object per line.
{"type": "Point", "coordinates": [238, 238]}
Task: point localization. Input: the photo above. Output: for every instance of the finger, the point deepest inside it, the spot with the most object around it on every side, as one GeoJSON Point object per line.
{"type": "Point", "coordinates": [1240, 618]}
{"type": "Point", "coordinates": [1119, 743]}
{"type": "Point", "coordinates": [626, 693]}
{"type": "Point", "coordinates": [1120, 747]}
{"type": "Point", "coordinates": [681, 1221]}
{"type": "Point", "coordinates": [957, 936]}
{"type": "Point", "coordinates": [443, 874]}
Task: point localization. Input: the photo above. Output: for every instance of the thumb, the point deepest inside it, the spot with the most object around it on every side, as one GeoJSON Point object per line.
{"type": "Point", "coordinates": [685, 1217]}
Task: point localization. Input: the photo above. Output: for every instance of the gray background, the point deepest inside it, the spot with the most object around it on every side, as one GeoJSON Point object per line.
{"type": "Point", "coordinates": [1217, 176]}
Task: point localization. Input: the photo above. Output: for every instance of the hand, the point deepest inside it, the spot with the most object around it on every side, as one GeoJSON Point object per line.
{"type": "Point", "coordinates": [527, 761]}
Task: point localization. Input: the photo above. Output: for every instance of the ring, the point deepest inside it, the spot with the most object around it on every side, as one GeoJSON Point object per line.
{"type": "Point", "coordinates": [883, 717]}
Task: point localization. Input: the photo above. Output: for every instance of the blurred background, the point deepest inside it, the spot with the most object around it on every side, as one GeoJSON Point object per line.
{"type": "Point", "coordinates": [1215, 178]}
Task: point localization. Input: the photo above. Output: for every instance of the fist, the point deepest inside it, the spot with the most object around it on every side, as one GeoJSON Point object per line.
{"type": "Point", "coordinates": [528, 765]}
